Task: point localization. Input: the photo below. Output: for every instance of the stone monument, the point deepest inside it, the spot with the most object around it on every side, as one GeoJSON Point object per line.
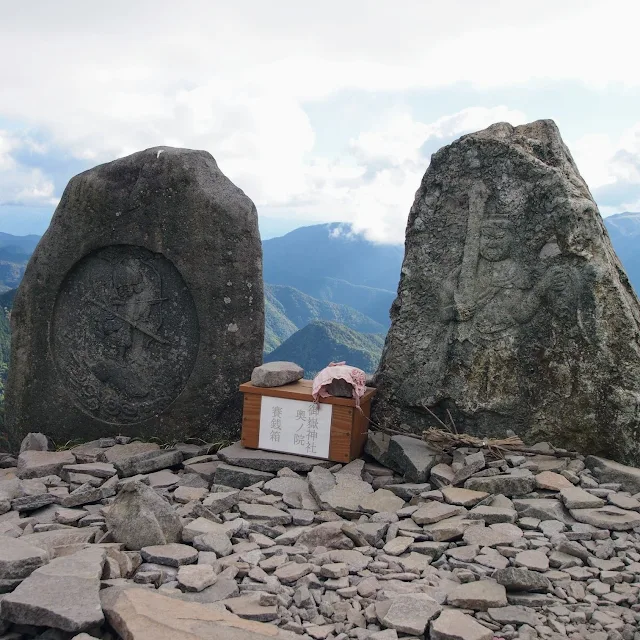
{"type": "Point", "coordinates": [141, 310]}
{"type": "Point", "coordinates": [513, 311]}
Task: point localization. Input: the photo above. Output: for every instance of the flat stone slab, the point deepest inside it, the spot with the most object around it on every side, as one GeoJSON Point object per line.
{"type": "Point", "coordinates": [609, 471]}
{"type": "Point", "coordinates": [456, 625]}
{"type": "Point", "coordinates": [381, 501]}
{"type": "Point", "coordinates": [37, 464]}
{"type": "Point", "coordinates": [265, 512]}
{"type": "Point", "coordinates": [517, 579]}
{"type": "Point", "coordinates": [239, 477]}
{"type": "Point", "coordinates": [608, 517]}
{"type": "Point", "coordinates": [479, 596]}
{"type": "Point", "coordinates": [63, 594]}
{"type": "Point", "coordinates": [268, 461]}
{"type": "Point", "coordinates": [577, 498]}
{"type": "Point", "coordinates": [409, 613]}
{"type": "Point", "coordinates": [507, 485]}
{"type": "Point", "coordinates": [463, 497]}
{"type": "Point", "coordinates": [493, 535]}
{"type": "Point", "coordinates": [173, 555]}
{"type": "Point", "coordinates": [141, 614]}
{"type": "Point", "coordinates": [432, 512]}
{"type": "Point", "coordinates": [18, 559]}
{"type": "Point", "coordinates": [345, 497]}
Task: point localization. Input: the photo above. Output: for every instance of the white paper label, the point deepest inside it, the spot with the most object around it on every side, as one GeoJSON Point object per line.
{"type": "Point", "coordinates": [294, 426]}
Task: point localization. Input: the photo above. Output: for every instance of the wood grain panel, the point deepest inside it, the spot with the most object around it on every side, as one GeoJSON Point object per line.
{"type": "Point", "coordinates": [341, 427]}
{"type": "Point", "coordinates": [251, 420]}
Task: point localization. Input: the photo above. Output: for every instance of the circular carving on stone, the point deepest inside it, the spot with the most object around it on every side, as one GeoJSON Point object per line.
{"type": "Point", "coordinates": [124, 333]}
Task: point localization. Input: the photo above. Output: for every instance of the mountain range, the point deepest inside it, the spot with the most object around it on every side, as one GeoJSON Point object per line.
{"type": "Point", "coordinates": [328, 290]}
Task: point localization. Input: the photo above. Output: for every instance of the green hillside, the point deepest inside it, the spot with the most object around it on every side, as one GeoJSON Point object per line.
{"type": "Point", "coordinates": [321, 342]}
{"type": "Point", "coordinates": [287, 309]}
{"type": "Point", "coordinates": [277, 327]}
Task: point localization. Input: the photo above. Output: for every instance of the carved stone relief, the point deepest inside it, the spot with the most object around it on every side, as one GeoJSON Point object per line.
{"type": "Point", "coordinates": [124, 334]}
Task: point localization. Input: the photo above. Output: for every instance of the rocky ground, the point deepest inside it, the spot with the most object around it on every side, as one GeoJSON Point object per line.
{"type": "Point", "coordinates": [118, 539]}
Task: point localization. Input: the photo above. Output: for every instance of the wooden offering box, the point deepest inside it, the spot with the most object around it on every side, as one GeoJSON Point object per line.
{"type": "Point", "coordinates": [286, 419]}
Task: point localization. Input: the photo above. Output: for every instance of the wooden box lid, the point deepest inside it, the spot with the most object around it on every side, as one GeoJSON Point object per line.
{"type": "Point", "coordinates": [301, 390]}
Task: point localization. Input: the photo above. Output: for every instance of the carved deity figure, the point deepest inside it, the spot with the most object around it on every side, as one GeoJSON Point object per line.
{"type": "Point", "coordinates": [490, 297]}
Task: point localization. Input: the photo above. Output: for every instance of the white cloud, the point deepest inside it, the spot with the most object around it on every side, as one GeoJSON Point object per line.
{"type": "Point", "coordinates": [103, 80]}
{"type": "Point", "coordinates": [20, 184]}
{"type": "Point", "coordinates": [611, 167]}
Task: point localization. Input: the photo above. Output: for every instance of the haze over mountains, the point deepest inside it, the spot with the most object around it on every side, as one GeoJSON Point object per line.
{"type": "Point", "coordinates": [328, 291]}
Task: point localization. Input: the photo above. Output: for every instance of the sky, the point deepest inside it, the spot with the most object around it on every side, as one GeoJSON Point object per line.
{"type": "Point", "coordinates": [319, 111]}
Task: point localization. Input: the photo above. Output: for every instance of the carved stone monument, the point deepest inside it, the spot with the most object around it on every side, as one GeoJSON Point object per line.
{"type": "Point", "coordinates": [141, 310]}
{"type": "Point", "coordinates": [513, 311]}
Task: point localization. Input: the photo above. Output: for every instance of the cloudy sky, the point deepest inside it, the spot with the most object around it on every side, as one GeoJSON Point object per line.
{"type": "Point", "coordinates": [320, 111]}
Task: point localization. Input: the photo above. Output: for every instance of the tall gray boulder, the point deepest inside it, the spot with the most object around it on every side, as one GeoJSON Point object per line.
{"type": "Point", "coordinates": [141, 310]}
{"type": "Point", "coordinates": [513, 311]}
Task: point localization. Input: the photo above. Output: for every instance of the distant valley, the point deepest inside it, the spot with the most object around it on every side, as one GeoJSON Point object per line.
{"type": "Point", "coordinates": [327, 291]}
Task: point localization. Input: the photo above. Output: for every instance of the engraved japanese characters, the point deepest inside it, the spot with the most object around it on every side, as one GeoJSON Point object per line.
{"type": "Point", "coordinates": [124, 333]}
{"type": "Point", "coordinates": [513, 312]}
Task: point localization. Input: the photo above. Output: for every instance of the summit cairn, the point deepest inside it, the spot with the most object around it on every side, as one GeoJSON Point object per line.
{"type": "Point", "coordinates": [141, 310]}
{"type": "Point", "coordinates": [513, 311]}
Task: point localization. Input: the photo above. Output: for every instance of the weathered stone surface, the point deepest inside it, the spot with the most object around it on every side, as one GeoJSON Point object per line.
{"type": "Point", "coordinates": [239, 477]}
{"type": "Point", "coordinates": [456, 625]}
{"type": "Point", "coordinates": [139, 518]}
{"type": "Point", "coordinates": [63, 594]}
{"type": "Point", "coordinates": [577, 498]}
{"type": "Point", "coordinates": [268, 461]}
{"type": "Point", "coordinates": [608, 517]}
{"type": "Point", "coordinates": [34, 442]}
{"type": "Point", "coordinates": [37, 464]}
{"type": "Point", "coordinates": [514, 615]}
{"type": "Point", "coordinates": [345, 497]}
{"type": "Point", "coordinates": [479, 596]}
{"type": "Point", "coordinates": [173, 555]}
{"type": "Point", "coordinates": [411, 458]}
{"type": "Point", "coordinates": [507, 485]}
{"type": "Point", "coordinates": [463, 497]}
{"type": "Point", "coordinates": [380, 501]}
{"type": "Point", "coordinates": [276, 374]}
{"type": "Point", "coordinates": [18, 559]}
{"type": "Point", "coordinates": [109, 318]}
{"type": "Point", "coordinates": [507, 258]}
{"type": "Point", "coordinates": [609, 471]}
{"type": "Point", "coordinates": [327, 534]}
{"type": "Point", "coordinates": [409, 613]}
{"type": "Point", "coordinates": [148, 462]}
{"type": "Point", "coordinates": [516, 579]}
{"type": "Point", "coordinates": [140, 614]}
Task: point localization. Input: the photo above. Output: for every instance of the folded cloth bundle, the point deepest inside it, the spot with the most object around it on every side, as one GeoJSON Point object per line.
{"type": "Point", "coordinates": [339, 370]}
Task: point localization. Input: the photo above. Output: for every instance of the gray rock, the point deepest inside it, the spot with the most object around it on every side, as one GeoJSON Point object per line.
{"type": "Point", "coordinates": [30, 503]}
{"type": "Point", "coordinates": [381, 501]}
{"type": "Point", "coordinates": [608, 517]}
{"type": "Point", "coordinates": [173, 555]}
{"type": "Point", "coordinates": [409, 613]}
{"type": "Point", "coordinates": [542, 508]}
{"type": "Point", "coordinates": [219, 543]}
{"type": "Point", "coordinates": [456, 625]}
{"type": "Point", "coordinates": [134, 235]}
{"type": "Point", "coordinates": [19, 559]}
{"type": "Point", "coordinates": [507, 485]}
{"type": "Point", "coordinates": [63, 594]}
{"type": "Point", "coordinates": [34, 442]}
{"type": "Point", "coordinates": [148, 462]}
{"type": "Point", "coordinates": [345, 497]}
{"type": "Point", "coordinates": [264, 512]}
{"type": "Point", "coordinates": [514, 615]}
{"type": "Point", "coordinates": [577, 498]}
{"type": "Point", "coordinates": [268, 461]}
{"type": "Point", "coordinates": [479, 596]}
{"type": "Point", "coordinates": [139, 518]}
{"type": "Point", "coordinates": [239, 477]}
{"type": "Point", "coordinates": [196, 577]}
{"type": "Point", "coordinates": [609, 471]}
{"type": "Point", "coordinates": [516, 579]}
{"type": "Point", "coordinates": [276, 374]}
{"type": "Point", "coordinates": [37, 464]}
{"type": "Point", "coordinates": [327, 534]}
{"type": "Point", "coordinates": [506, 261]}
{"type": "Point", "coordinates": [411, 458]}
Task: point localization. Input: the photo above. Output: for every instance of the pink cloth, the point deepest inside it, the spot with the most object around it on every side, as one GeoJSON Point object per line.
{"type": "Point", "coordinates": [355, 377]}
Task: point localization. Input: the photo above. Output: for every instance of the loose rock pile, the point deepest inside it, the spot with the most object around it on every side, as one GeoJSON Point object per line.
{"type": "Point", "coordinates": [118, 539]}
